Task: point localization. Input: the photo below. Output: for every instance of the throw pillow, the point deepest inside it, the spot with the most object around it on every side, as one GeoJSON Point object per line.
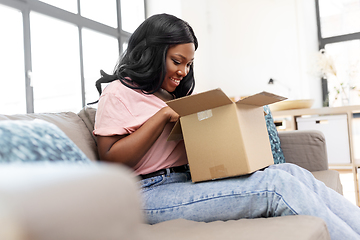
{"type": "Point", "coordinates": [36, 140]}
{"type": "Point", "coordinates": [277, 152]}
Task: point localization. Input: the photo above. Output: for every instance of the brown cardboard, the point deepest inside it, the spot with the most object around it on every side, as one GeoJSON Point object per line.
{"type": "Point", "coordinates": [223, 138]}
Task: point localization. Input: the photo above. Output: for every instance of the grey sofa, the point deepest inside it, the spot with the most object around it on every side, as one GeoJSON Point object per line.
{"type": "Point", "coordinates": [56, 201]}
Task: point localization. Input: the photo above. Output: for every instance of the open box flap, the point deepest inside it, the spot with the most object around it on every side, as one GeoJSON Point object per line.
{"type": "Point", "coordinates": [176, 132]}
{"type": "Point", "coordinates": [261, 99]}
{"type": "Point", "coordinates": [199, 102]}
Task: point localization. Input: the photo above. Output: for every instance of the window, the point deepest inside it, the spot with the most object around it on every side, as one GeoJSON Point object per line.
{"type": "Point", "coordinates": [132, 14]}
{"type": "Point", "coordinates": [12, 90]}
{"type": "Point", "coordinates": [339, 34]}
{"type": "Point", "coordinates": [53, 50]}
{"type": "Point", "coordinates": [346, 56]}
{"type": "Point", "coordinates": [103, 11]}
{"type": "Point", "coordinates": [68, 5]}
{"type": "Point", "coordinates": [97, 57]}
{"type": "Point", "coordinates": [55, 63]}
{"type": "Point", "coordinates": [339, 17]}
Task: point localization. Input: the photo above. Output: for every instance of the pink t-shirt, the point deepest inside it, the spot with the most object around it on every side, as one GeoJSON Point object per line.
{"type": "Point", "coordinates": [122, 110]}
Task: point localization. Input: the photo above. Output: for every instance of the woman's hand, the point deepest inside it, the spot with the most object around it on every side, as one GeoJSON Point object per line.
{"type": "Point", "coordinates": [171, 114]}
{"type": "Point", "coordinates": [129, 149]}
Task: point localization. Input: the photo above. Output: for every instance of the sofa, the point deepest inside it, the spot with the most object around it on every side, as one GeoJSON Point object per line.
{"type": "Point", "coordinates": [54, 200]}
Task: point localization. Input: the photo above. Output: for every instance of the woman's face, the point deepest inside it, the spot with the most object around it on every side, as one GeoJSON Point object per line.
{"type": "Point", "coordinates": [178, 61]}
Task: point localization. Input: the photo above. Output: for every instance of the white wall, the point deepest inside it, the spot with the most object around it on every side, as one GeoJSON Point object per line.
{"type": "Point", "coordinates": [163, 6]}
{"type": "Point", "coordinates": [244, 43]}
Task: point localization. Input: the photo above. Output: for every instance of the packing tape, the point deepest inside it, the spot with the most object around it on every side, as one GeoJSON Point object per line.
{"type": "Point", "coordinates": [204, 115]}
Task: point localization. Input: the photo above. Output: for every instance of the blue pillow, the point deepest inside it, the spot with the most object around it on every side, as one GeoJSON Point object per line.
{"type": "Point", "coordinates": [277, 152]}
{"type": "Point", "coordinates": [36, 140]}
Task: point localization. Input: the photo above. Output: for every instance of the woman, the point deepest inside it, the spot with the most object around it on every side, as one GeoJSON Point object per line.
{"type": "Point", "coordinates": [133, 122]}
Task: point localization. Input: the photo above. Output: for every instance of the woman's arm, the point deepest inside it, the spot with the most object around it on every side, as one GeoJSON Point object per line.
{"type": "Point", "coordinates": [129, 149]}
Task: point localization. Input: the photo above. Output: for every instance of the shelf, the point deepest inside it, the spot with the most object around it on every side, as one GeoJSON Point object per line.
{"type": "Point", "coordinates": [317, 111]}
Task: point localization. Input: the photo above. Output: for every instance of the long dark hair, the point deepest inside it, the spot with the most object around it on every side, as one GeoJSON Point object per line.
{"type": "Point", "coordinates": [142, 66]}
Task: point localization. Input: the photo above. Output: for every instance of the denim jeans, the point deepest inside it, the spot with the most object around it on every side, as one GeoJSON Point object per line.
{"type": "Point", "coordinates": [279, 190]}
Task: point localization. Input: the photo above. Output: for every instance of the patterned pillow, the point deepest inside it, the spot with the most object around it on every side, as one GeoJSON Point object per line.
{"type": "Point", "coordinates": [36, 140]}
{"type": "Point", "coordinates": [277, 152]}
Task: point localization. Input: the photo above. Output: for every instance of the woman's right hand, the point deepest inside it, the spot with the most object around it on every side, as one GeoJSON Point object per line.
{"type": "Point", "coordinates": [171, 115]}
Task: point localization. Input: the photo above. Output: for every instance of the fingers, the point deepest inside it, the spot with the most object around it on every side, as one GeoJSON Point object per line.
{"type": "Point", "coordinates": [171, 115]}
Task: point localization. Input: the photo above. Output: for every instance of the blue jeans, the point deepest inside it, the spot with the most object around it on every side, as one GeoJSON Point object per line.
{"type": "Point", "coordinates": [279, 190]}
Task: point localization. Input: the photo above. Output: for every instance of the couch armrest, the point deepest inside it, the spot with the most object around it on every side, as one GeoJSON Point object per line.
{"type": "Point", "coordinates": [65, 201]}
{"type": "Point", "coordinates": [305, 148]}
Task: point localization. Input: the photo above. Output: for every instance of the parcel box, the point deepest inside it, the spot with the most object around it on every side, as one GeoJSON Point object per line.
{"type": "Point", "coordinates": [223, 138]}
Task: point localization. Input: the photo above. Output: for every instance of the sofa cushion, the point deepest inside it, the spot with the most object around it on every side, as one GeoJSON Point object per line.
{"type": "Point", "coordinates": [276, 150]}
{"type": "Point", "coordinates": [36, 140]}
{"type": "Point", "coordinates": [68, 122]}
{"type": "Point", "coordinates": [305, 148]}
{"type": "Point", "coordinates": [87, 114]}
{"type": "Point", "coordinates": [299, 227]}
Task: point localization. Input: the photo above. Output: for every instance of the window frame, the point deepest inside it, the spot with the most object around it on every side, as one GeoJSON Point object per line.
{"type": "Point", "coordinates": [26, 6]}
{"type": "Point", "coordinates": [328, 40]}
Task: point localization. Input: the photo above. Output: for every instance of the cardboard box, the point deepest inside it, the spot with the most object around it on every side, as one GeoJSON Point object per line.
{"type": "Point", "coordinates": [223, 138]}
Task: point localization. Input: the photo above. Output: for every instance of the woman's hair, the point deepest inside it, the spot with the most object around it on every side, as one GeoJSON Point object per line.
{"type": "Point", "coordinates": [143, 64]}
